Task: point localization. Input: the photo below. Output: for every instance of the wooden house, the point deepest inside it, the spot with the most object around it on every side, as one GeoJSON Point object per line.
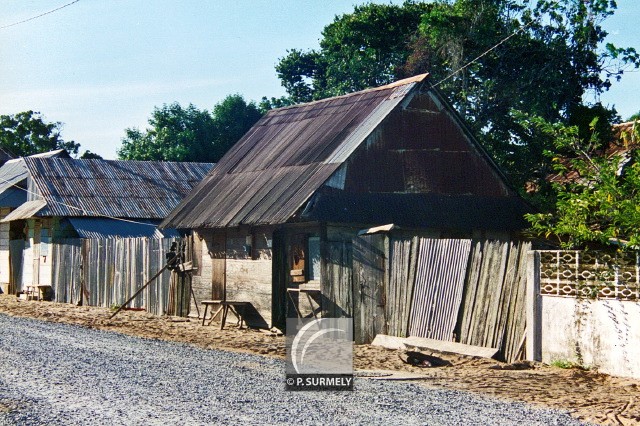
{"type": "Point", "coordinates": [279, 215]}
{"type": "Point", "coordinates": [50, 197]}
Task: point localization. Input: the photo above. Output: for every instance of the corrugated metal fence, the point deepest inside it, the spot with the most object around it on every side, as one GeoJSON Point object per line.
{"type": "Point", "coordinates": [106, 272]}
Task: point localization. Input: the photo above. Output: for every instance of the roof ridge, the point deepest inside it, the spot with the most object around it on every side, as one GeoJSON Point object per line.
{"type": "Point", "coordinates": [415, 79]}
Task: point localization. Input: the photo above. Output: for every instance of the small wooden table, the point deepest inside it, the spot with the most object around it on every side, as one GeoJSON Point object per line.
{"type": "Point", "coordinates": [37, 291]}
{"type": "Point", "coordinates": [237, 308]}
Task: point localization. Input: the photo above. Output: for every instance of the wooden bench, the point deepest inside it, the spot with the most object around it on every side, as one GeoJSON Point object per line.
{"type": "Point", "coordinates": [237, 308]}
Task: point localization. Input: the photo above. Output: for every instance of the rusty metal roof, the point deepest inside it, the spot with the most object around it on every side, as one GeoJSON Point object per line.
{"type": "Point", "coordinates": [123, 189]}
{"type": "Point", "coordinates": [285, 157]}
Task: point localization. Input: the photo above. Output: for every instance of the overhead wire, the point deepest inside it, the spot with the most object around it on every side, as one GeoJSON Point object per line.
{"type": "Point", "coordinates": [39, 16]}
{"type": "Point", "coordinates": [504, 40]}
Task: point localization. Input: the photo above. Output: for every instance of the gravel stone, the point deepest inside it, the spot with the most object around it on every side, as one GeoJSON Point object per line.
{"type": "Point", "coordinates": [59, 374]}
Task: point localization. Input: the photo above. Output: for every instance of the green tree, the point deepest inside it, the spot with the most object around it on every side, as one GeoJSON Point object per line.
{"type": "Point", "coordinates": [232, 118]}
{"type": "Point", "coordinates": [495, 60]}
{"type": "Point", "coordinates": [267, 104]}
{"type": "Point", "coordinates": [176, 133]}
{"type": "Point", "coordinates": [597, 194]}
{"type": "Point", "coordinates": [27, 133]}
{"type": "Point", "coordinates": [358, 50]}
{"type": "Point", "coordinates": [88, 155]}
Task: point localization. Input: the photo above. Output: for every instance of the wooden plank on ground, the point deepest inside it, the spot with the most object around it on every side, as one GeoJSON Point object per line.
{"type": "Point", "coordinates": [389, 342]}
{"type": "Point", "coordinates": [422, 343]}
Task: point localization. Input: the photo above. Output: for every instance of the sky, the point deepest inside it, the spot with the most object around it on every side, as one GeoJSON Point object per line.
{"type": "Point", "coordinates": [100, 66]}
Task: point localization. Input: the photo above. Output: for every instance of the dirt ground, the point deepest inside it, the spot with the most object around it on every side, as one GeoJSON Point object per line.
{"type": "Point", "coordinates": [587, 395]}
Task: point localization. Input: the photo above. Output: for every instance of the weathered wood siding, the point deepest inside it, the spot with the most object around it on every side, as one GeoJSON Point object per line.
{"type": "Point", "coordinates": [202, 256]}
{"type": "Point", "coordinates": [402, 264]}
{"type": "Point", "coordinates": [466, 290]}
{"type": "Point", "coordinates": [66, 257]}
{"type": "Point", "coordinates": [369, 286]}
{"type": "Point", "coordinates": [248, 273]}
{"type": "Point", "coordinates": [106, 272]}
{"type": "Point", "coordinates": [493, 310]}
{"type": "Point", "coordinates": [336, 281]}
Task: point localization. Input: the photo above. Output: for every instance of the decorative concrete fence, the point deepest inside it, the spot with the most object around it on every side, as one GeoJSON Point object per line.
{"type": "Point", "coordinates": [584, 307]}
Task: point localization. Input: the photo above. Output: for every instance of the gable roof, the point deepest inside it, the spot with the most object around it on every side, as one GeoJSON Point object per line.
{"type": "Point", "coordinates": [282, 161]}
{"type": "Point", "coordinates": [288, 154]}
{"type": "Point", "coordinates": [86, 188]}
{"type": "Point", "coordinates": [15, 170]}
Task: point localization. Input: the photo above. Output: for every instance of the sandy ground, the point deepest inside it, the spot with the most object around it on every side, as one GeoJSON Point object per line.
{"type": "Point", "coordinates": [587, 395]}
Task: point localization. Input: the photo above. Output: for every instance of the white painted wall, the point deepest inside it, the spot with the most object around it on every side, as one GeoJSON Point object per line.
{"type": "Point", "coordinates": [604, 334]}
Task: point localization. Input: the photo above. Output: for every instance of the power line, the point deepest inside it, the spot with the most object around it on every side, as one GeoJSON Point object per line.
{"type": "Point", "coordinates": [483, 54]}
{"type": "Point", "coordinates": [39, 16]}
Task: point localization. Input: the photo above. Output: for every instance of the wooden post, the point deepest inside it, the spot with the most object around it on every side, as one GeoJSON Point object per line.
{"type": "Point", "coordinates": [534, 308]}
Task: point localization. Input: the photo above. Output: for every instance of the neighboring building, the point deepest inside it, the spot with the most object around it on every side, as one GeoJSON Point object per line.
{"type": "Point", "coordinates": [281, 209]}
{"type": "Point", "coordinates": [51, 197]}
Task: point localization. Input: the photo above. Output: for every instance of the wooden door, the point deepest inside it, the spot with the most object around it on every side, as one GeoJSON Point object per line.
{"type": "Point", "coordinates": [369, 283]}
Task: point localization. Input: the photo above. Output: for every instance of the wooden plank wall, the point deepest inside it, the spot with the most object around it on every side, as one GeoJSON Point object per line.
{"type": "Point", "coordinates": [336, 284]}
{"type": "Point", "coordinates": [438, 287]}
{"type": "Point", "coordinates": [370, 254]}
{"type": "Point", "coordinates": [470, 291]}
{"type": "Point", "coordinates": [106, 272]}
{"type": "Point", "coordinates": [402, 264]}
{"type": "Point", "coordinates": [493, 309]}
{"type": "Point", "coordinates": [66, 258]}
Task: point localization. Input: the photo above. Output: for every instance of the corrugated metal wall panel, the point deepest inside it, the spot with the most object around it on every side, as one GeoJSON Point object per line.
{"type": "Point", "coordinates": [438, 287]}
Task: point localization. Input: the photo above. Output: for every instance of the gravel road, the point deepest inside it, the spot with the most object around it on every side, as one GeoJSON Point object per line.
{"type": "Point", "coordinates": [58, 374]}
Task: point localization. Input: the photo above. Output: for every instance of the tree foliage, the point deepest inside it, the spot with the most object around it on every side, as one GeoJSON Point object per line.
{"type": "Point", "coordinates": [176, 133]}
{"type": "Point", "coordinates": [27, 133]}
{"type": "Point", "coordinates": [598, 195]}
{"type": "Point", "coordinates": [358, 50]}
{"type": "Point", "coordinates": [496, 60]}
{"type": "Point", "coordinates": [88, 155]}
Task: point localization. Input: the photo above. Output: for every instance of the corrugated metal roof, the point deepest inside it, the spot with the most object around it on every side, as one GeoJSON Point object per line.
{"type": "Point", "coordinates": [100, 227]}
{"type": "Point", "coordinates": [284, 158]}
{"type": "Point", "coordinates": [126, 189]}
{"type": "Point", "coordinates": [12, 173]}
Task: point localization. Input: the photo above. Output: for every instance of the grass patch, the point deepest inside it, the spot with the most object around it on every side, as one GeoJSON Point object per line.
{"type": "Point", "coordinates": [566, 364]}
